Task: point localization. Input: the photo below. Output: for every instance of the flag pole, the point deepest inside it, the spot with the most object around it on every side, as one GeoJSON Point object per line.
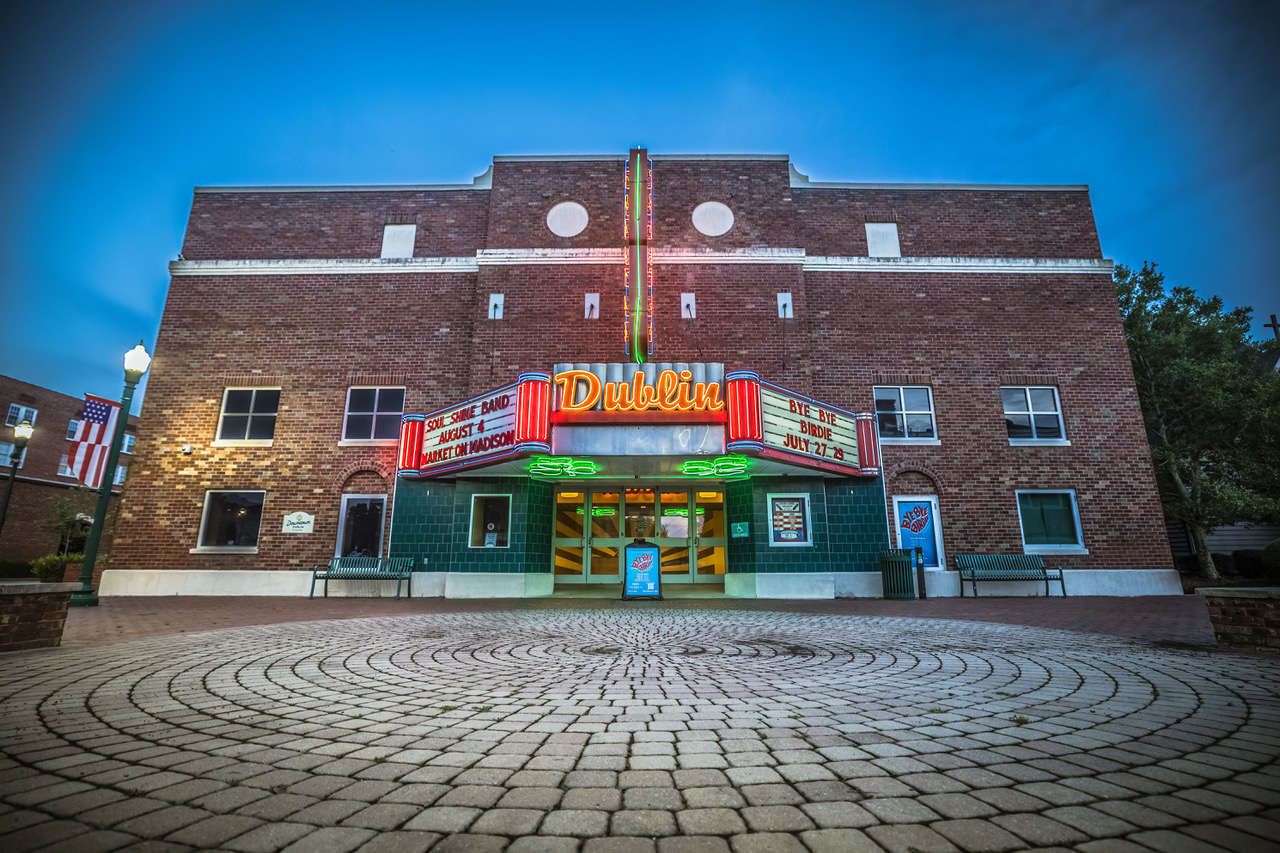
{"type": "Point", "coordinates": [85, 597]}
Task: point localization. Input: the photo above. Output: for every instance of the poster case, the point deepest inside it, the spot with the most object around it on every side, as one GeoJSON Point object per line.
{"type": "Point", "coordinates": [642, 572]}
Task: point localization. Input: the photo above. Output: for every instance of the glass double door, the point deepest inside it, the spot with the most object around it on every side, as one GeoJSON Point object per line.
{"type": "Point", "coordinates": [593, 524]}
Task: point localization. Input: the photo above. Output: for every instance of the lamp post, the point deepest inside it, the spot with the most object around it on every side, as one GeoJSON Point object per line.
{"type": "Point", "coordinates": [136, 362]}
{"type": "Point", "coordinates": [21, 435]}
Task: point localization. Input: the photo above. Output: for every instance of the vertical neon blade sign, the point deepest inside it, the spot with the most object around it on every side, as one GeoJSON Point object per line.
{"type": "Point", "coordinates": [637, 231]}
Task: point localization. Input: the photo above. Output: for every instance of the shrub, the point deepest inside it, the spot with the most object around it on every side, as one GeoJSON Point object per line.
{"type": "Point", "coordinates": [51, 567]}
{"type": "Point", "coordinates": [1226, 565]}
{"type": "Point", "coordinates": [1257, 564]}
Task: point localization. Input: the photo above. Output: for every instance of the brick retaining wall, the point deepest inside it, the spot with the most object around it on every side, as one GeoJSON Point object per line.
{"type": "Point", "coordinates": [32, 614]}
{"type": "Point", "coordinates": [1245, 616]}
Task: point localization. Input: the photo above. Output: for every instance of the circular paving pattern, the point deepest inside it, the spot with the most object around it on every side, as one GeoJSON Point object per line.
{"type": "Point", "coordinates": [553, 730]}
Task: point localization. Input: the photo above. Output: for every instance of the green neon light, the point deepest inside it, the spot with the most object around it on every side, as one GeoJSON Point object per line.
{"type": "Point", "coordinates": [561, 466]}
{"type": "Point", "coordinates": [600, 510]}
{"type": "Point", "coordinates": [683, 512]}
{"type": "Point", "coordinates": [721, 466]}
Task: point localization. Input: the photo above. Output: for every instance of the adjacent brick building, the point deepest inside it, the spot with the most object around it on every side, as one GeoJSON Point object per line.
{"type": "Point", "coordinates": [976, 326]}
{"type": "Point", "coordinates": [42, 474]}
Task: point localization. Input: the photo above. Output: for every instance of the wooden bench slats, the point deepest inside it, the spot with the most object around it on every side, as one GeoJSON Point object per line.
{"type": "Point", "coordinates": [1006, 567]}
{"type": "Point", "coordinates": [398, 569]}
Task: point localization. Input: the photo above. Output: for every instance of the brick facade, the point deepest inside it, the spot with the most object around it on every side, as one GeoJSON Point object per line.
{"type": "Point", "coordinates": [39, 481]}
{"type": "Point", "coordinates": [964, 334]}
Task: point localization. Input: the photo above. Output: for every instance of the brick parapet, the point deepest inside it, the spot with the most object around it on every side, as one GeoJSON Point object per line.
{"type": "Point", "coordinates": [1245, 617]}
{"type": "Point", "coordinates": [32, 615]}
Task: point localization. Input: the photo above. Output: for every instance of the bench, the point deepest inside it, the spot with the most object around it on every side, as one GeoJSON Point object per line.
{"type": "Point", "coordinates": [398, 569]}
{"type": "Point", "coordinates": [1006, 567]}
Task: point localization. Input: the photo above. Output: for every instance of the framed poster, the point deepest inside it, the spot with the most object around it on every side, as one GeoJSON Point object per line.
{"type": "Point", "coordinates": [642, 576]}
{"type": "Point", "coordinates": [789, 520]}
{"type": "Point", "coordinates": [916, 520]}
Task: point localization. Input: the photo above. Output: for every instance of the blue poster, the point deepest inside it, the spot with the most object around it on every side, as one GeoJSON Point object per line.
{"type": "Point", "coordinates": [917, 528]}
{"type": "Point", "coordinates": [642, 571]}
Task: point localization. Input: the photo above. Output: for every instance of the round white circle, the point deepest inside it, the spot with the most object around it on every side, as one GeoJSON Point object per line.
{"type": "Point", "coordinates": [712, 218]}
{"type": "Point", "coordinates": [567, 219]}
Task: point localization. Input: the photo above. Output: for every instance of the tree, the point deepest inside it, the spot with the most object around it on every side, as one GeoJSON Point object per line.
{"type": "Point", "coordinates": [69, 520]}
{"type": "Point", "coordinates": [1210, 398]}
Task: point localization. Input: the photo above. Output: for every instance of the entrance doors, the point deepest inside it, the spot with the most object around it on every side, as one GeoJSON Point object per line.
{"type": "Point", "coordinates": [593, 525]}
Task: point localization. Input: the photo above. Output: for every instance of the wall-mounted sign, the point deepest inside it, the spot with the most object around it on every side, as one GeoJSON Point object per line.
{"type": "Point", "coordinates": [799, 425]}
{"type": "Point", "coordinates": [299, 522]}
{"type": "Point", "coordinates": [789, 520]}
{"type": "Point", "coordinates": [740, 529]}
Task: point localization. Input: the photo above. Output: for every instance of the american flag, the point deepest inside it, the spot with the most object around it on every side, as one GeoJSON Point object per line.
{"type": "Point", "coordinates": [87, 456]}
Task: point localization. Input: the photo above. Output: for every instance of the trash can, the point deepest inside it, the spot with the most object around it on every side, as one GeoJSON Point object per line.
{"type": "Point", "coordinates": [897, 572]}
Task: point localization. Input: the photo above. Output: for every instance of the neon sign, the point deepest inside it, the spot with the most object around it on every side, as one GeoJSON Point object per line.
{"type": "Point", "coordinates": [581, 390]}
{"type": "Point", "coordinates": [721, 466]}
{"type": "Point", "coordinates": [637, 231]}
{"type": "Point", "coordinates": [561, 466]}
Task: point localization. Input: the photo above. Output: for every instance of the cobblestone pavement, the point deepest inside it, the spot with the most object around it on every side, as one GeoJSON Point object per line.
{"type": "Point", "coordinates": [663, 729]}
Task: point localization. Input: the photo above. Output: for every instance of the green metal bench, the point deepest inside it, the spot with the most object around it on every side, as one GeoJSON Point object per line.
{"type": "Point", "coordinates": [398, 569]}
{"type": "Point", "coordinates": [1006, 567]}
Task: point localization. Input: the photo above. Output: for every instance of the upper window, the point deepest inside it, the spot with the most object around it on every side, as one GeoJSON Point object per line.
{"type": "Point", "coordinates": [373, 413]}
{"type": "Point", "coordinates": [118, 477]}
{"type": "Point", "coordinates": [6, 451]}
{"type": "Point", "coordinates": [72, 426]}
{"type": "Point", "coordinates": [882, 240]}
{"type": "Point", "coordinates": [397, 241]}
{"type": "Point", "coordinates": [64, 470]}
{"type": "Point", "coordinates": [17, 414]}
{"type": "Point", "coordinates": [1032, 414]}
{"type": "Point", "coordinates": [905, 412]}
{"type": "Point", "coordinates": [231, 519]}
{"type": "Point", "coordinates": [127, 447]}
{"type": "Point", "coordinates": [1050, 522]}
{"type": "Point", "coordinates": [248, 414]}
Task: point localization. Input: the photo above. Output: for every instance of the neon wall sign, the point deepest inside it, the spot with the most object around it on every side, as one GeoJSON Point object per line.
{"type": "Point", "coordinates": [637, 231]}
{"type": "Point", "coordinates": [581, 390]}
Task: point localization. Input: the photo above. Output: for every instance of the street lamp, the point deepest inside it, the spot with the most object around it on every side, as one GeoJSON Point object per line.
{"type": "Point", "coordinates": [136, 362]}
{"type": "Point", "coordinates": [21, 435]}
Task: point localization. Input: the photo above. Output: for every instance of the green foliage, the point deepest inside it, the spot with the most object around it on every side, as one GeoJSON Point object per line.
{"type": "Point", "coordinates": [51, 567]}
{"type": "Point", "coordinates": [1210, 399]}
{"type": "Point", "coordinates": [70, 521]}
{"type": "Point", "coordinates": [1257, 564]}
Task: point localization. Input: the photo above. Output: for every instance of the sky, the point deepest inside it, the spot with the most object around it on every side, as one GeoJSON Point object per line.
{"type": "Point", "coordinates": [112, 112]}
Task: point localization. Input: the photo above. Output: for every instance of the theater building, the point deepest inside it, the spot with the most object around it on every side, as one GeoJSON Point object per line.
{"type": "Point", "coordinates": [769, 378]}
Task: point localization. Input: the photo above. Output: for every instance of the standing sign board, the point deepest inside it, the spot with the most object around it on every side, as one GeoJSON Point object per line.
{"type": "Point", "coordinates": [916, 519]}
{"type": "Point", "coordinates": [642, 577]}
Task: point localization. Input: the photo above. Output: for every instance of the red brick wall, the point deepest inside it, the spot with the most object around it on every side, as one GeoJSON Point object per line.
{"type": "Point", "coordinates": [964, 334]}
{"type": "Point", "coordinates": [32, 620]}
{"type": "Point", "coordinates": [1239, 621]}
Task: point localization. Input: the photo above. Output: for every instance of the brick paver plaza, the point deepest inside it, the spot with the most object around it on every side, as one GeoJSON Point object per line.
{"type": "Point", "coordinates": [669, 727]}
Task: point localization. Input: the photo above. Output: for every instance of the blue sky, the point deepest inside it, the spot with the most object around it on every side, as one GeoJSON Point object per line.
{"type": "Point", "coordinates": [112, 112]}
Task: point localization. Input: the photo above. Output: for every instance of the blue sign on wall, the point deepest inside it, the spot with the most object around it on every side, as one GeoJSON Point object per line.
{"type": "Point", "coordinates": [918, 528]}
{"type": "Point", "coordinates": [642, 571]}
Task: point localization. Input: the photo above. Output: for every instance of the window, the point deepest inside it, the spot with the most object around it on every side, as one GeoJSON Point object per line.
{"type": "Point", "coordinates": [6, 451]}
{"type": "Point", "coordinates": [361, 531]}
{"type": "Point", "coordinates": [231, 520]}
{"type": "Point", "coordinates": [490, 520]}
{"type": "Point", "coordinates": [373, 414]}
{"type": "Point", "coordinates": [1032, 414]}
{"type": "Point", "coordinates": [1050, 522]}
{"type": "Point", "coordinates": [789, 521]}
{"type": "Point", "coordinates": [118, 478]}
{"type": "Point", "coordinates": [882, 240]}
{"type": "Point", "coordinates": [72, 426]}
{"type": "Point", "coordinates": [905, 412]}
{"type": "Point", "coordinates": [249, 414]}
{"type": "Point", "coordinates": [64, 470]}
{"type": "Point", "coordinates": [127, 447]}
{"type": "Point", "coordinates": [397, 241]}
{"type": "Point", "coordinates": [17, 414]}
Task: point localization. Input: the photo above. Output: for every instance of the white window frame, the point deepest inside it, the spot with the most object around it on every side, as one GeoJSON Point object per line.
{"type": "Point", "coordinates": [937, 525]}
{"type": "Point", "coordinates": [1078, 548]}
{"type": "Point", "coordinates": [342, 522]}
{"type": "Point", "coordinates": [806, 500]}
{"type": "Point", "coordinates": [17, 412]}
{"type": "Point", "coordinates": [72, 426]}
{"type": "Point", "coordinates": [204, 521]}
{"type": "Point", "coordinates": [1033, 441]}
{"type": "Point", "coordinates": [6, 448]}
{"type": "Point", "coordinates": [933, 415]}
{"type": "Point", "coordinates": [117, 479]}
{"type": "Point", "coordinates": [222, 413]}
{"type": "Point", "coordinates": [370, 442]}
{"type": "Point", "coordinates": [64, 467]}
{"type": "Point", "coordinates": [126, 445]}
{"type": "Point", "coordinates": [472, 521]}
